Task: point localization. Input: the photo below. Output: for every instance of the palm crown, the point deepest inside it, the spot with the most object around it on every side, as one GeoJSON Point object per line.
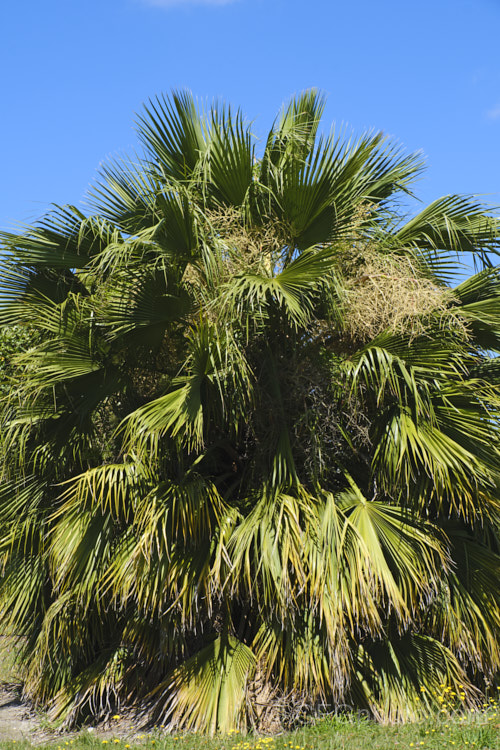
{"type": "Point", "coordinates": [253, 453]}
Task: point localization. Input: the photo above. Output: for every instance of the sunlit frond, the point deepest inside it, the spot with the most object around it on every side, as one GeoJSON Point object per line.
{"type": "Point", "coordinates": [207, 692]}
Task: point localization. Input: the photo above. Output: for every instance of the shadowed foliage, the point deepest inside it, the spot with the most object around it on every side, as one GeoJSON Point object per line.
{"type": "Point", "coordinates": [250, 455]}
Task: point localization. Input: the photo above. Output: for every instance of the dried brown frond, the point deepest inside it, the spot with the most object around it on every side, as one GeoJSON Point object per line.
{"type": "Point", "coordinates": [387, 292]}
{"type": "Point", "coordinates": [246, 245]}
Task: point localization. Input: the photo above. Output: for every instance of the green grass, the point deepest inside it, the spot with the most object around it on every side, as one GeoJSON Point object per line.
{"type": "Point", "coordinates": [478, 730]}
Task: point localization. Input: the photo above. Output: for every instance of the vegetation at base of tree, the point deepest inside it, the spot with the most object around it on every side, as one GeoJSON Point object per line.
{"type": "Point", "coordinates": [472, 731]}
{"type": "Point", "coordinates": [252, 461]}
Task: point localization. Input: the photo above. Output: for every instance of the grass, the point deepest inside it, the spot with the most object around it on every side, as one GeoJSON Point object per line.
{"type": "Point", "coordinates": [475, 730]}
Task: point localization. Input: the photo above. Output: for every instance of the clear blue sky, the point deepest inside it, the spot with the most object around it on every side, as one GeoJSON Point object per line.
{"type": "Point", "coordinates": [74, 73]}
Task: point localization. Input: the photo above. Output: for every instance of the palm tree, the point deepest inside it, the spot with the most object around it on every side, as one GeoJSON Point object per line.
{"type": "Point", "coordinates": [250, 462]}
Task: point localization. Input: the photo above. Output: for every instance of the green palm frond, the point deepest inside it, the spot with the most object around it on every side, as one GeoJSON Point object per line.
{"type": "Point", "coordinates": [64, 239]}
{"type": "Point", "coordinates": [207, 692]}
{"type": "Point", "coordinates": [163, 561]}
{"type": "Point", "coordinates": [470, 595]}
{"type": "Point", "coordinates": [22, 593]}
{"type": "Point", "coordinates": [98, 688]}
{"type": "Point", "coordinates": [126, 196]}
{"type": "Point", "coordinates": [305, 659]}
{"type": "Point", "coordinates": [292, 289]}
{"type": "Point", "coordinates": [398, 555]}
{"type": "Point", "coordinates": [453, 224]}
{"type": "Point", "coordinates": [267, 550]}
{"type": "Point", "coordinates": [231, 157]}
{"type": "Point", "coordinates": [215, 367]}
{"type": "Point", "coordinates": [399, 679]}
{"type": "Point", "coordinates": [478, 302]}
{"type": "Point", "coordinates": [175, 134]}
{"type": "Point", "coordinates": [294, 131]}
{"type": "Point", "coordinates": [139, 308]}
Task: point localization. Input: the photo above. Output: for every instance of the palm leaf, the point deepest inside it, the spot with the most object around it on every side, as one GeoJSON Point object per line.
{"type": "Point", "coordinates": [207, 692]}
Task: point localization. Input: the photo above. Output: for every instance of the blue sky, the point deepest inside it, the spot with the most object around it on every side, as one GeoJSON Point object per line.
{"type": "Point", "coordinates": [74, 73]}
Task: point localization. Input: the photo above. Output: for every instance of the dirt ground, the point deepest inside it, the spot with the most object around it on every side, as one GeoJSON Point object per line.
{"type": "Point", "coordinates": [17, 722]}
